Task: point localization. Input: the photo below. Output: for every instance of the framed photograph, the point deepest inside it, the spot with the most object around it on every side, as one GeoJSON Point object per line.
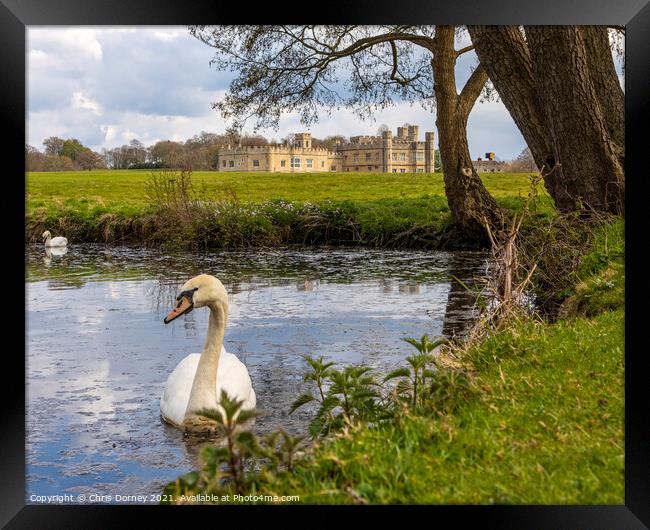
{"type": "Point", "coordinates": [375, 263]}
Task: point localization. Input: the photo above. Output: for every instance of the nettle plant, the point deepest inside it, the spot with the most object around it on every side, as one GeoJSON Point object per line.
{"type": "Point", "coordinates": [243, 463]}
{"type": "Point", "coordinates": [344, 397]}
{"type": "Point", "coordinates": [353, 395]}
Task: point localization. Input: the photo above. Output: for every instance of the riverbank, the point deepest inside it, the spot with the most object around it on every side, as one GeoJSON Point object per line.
{"type": "Point", "coordinates": [224, 210]}
{"type": "Point", "coordinates": [532, 414]}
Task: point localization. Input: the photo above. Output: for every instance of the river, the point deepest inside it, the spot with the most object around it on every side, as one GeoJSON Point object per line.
{"type": "Point", "coordinates": [98, 353]}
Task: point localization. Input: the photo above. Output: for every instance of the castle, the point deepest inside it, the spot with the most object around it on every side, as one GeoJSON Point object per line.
{"type": "Point", "coordinates": [403, 153]}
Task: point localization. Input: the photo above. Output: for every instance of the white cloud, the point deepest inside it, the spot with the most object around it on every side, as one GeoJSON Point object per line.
{"type": "Point", "coordinates": [81, 101]}
{"type": "Point", "coordinates": [167, 36]}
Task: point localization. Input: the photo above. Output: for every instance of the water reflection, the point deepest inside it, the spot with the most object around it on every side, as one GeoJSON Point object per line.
{"type": "Point", "coordinates": [461, 297]}
{"type": "Point", "coordinates": [98, 353]}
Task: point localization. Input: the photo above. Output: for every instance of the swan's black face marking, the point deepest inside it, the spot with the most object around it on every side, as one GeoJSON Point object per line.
{"type": "Point", "coordinates": [185, 305]}
{"type": "Point", "coordinates": [187, 294]}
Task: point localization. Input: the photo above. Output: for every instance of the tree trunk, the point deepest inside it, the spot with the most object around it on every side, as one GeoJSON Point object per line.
{"type": "Point", "coordinates": [606, 84]}
{"type": "Point", "coordinates": [470, 203]}
{"type": "Point", "coordinates": [591, 172]}
{"type": "Point", "coordinates": [503, 53]}
{"type": "Point", "coordinates": [561, 107]}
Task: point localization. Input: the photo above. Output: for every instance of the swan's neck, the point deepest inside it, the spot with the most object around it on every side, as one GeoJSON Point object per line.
{"type": "Point", "coordinates": [204, 392]}
{"type": "Point", "coordinates": [47, 239]}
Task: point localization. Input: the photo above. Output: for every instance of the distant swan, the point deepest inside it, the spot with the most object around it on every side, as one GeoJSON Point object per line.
{"type": "Point", "coordinates": [198, 379]}
{"type": "Point", "coordinates": [54, 241]}
{"type": "Point", "coordinates": [53, 251]}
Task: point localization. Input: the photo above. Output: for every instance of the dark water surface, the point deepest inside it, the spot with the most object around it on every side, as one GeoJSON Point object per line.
{"type": "Point", "coordinates": [98, 353]}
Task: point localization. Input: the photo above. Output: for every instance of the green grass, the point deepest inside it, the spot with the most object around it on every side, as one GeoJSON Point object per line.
{"type": "Point", "coordinates": [124, 190]}
{"type": "Point", "coordinates": [547, 428]}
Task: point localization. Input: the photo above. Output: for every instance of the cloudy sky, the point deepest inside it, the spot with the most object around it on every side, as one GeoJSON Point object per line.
{"type": "Point", "coordinates": [108, 85]}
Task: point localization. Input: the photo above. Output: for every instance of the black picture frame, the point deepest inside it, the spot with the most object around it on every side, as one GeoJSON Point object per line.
{"type": "Point", "coordinates": [16, 15]}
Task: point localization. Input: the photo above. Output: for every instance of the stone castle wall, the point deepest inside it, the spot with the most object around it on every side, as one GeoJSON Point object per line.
{"type": "Point", "coordinates": [402, 153]}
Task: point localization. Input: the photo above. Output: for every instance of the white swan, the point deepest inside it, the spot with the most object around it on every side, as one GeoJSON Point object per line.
{"type": "Point", "coordinates": [198, 379]}
{"type": "Point", "coordinates": [53, 251]}
{"type": "Point", "coordinates": [54, 241]}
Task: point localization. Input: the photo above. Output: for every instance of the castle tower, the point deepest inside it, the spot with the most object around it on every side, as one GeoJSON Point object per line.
{"type": "Point", "coordinates": [429, 153]}
{"type": "Point", "coordinates": [413, 133]}
{"type": "Point", "coordinates": [387, 150]}
{"type": "Point", "coordinates": [303, 140]}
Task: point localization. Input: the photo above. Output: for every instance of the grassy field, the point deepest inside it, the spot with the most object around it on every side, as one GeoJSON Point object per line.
{"type": "Point", "coordinates": [124, 190]}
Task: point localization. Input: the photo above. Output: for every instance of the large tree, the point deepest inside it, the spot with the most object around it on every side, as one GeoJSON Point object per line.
{"type": "Point", "coordinates": [307, 69]}
{"type": "Point", "coordinates": [560, 86]}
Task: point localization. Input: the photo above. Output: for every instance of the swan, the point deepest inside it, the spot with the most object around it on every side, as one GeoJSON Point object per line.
{"type": "Point", "coordinates": [54, 241]}
{"type": "Point", "coordinates": [199, 378]}
{"type": "Point", "coordinates": [53, 251]}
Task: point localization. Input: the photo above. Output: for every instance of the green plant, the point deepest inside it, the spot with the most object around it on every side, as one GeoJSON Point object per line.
{"type": "Point", "coordinates": [230, 466]}
{"type": "Point", "coordinates": [344, 396]}
{"type": "Point", "coordinates": [413, 379]}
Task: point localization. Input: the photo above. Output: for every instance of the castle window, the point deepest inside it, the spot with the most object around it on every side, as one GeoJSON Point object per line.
{"type": "Point", "coordinates": [223, 163]}
{"type": "Point", "coordinates": [231, 163]}
{"type": "Point", "coordinates": [355, 157]}
{"type": "Point", "coordinates": [256, 163]}
{"type": "Point", "coordinates": [394, 171]}
{"type": "Point", "coordinates": [420, 170]}
{"type": "Point", "coordinates": [419, 156]}
{"type": "Point", "coordinates": [394, 157]}
{"type": "Point", "coordinates": [369, 168]}
{"type": "Point", "coordinates": [333, 168]}
{"type": "Point", "coordinates": [322, 164]}
{"type": "Point", "coordinates": [283, 163]}
{"type": "Point", "coordinates": [368, 156]}
{"type": "Point", "coordinates": [402, 156]}
{"type": "Point", "coordinates": [295, 161]}
{"type": "Point", "coordinates": [310, 162]}
{"type": "Point", "coordinates": [402, 170]}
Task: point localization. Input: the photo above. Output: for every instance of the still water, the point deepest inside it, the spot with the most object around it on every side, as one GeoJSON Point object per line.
{"type": "Point", "coordinates": [98, 353]}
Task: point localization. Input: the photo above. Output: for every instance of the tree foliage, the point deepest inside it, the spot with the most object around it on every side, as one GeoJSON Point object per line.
{"type": "Point", "coordinates": [306, 69]}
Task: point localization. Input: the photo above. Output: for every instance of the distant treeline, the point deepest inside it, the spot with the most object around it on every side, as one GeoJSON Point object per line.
{"type": "Point", "coordinates": [62, 155]}
{"type": "Point", "coordinates": [197, 153]}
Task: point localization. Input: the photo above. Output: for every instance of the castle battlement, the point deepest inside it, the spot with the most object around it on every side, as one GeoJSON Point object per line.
{"type": "Point", "coordinates": [253, 149]}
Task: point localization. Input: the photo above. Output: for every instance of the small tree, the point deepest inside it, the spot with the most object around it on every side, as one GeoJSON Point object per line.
{"type": "Point", "coordinates": [72, 148]}
{"type": "Point", "coordinates": [382, 129]}
{"type": "Point", "coordinates": [524, 162]}
{"type": "Point", "coordinates": [89, 160]}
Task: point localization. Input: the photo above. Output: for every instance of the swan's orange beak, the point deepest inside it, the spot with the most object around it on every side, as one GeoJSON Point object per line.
{"type": "Point", "coordinates": [184, 305]}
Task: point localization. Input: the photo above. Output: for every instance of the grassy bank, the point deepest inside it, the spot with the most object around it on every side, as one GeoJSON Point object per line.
{"type": "Point", "coordinates": [533, 415]}
{"type": "Point", "coordinates": [236, 209]}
